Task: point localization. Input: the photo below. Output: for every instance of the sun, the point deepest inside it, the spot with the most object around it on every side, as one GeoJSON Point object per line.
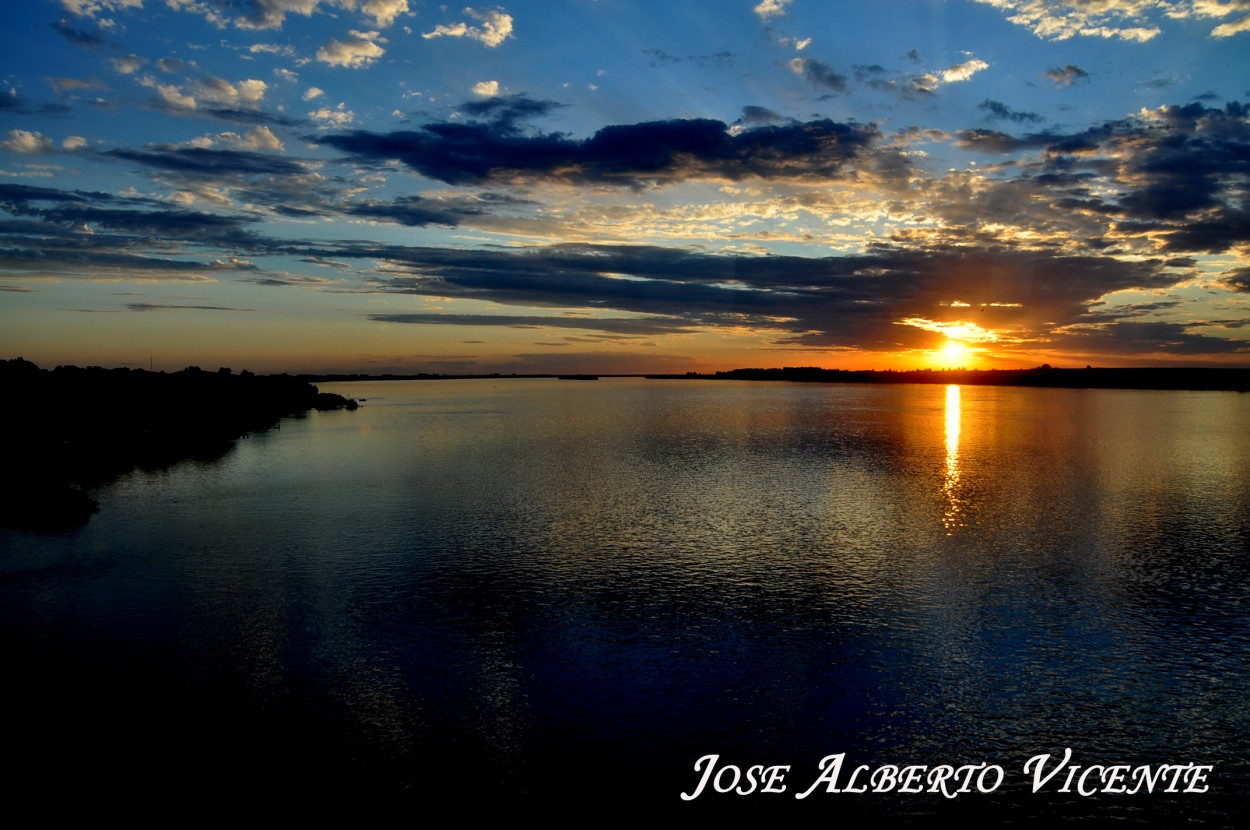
{"type": "Point", "coordinates": [954, 353]}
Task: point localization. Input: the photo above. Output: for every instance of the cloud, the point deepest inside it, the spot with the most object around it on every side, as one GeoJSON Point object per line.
{"type": "Point", "coordinates": [271, 14]}
{"type": "Point", "coordinates": [613, 325]}
{"type": "Point", "coordinates": [338, 117]}
{"type": "Point", "coordinates": [963, 71]}
{"type": "Point", "coordinates": [383, 12]}
{"type": "Point", "coordinates": [1238, 280]}
{"type": "Point", "coordinates": [215, 164]}
{"type": "Point", "coordinates": [258, 138]}
{"type": "Point", "coordinates": [1172, 179]}
{"type": "Point", "coordinates": [89, 233]}
{"type": "Point", "coordinates": [91, 40]}
{"type": "Point", "coordinates": [74, 142]}
{"type": "Point", "coordinates": [356, 51]}
{"type": "Point", "coordinates": [91, 8]}
{"type": "Point", "coordinates": [495, 29]}
{"type": "Point", "coordinates": [1233, 28]}
{"type": "Point", "coordinates": [658, 58]}
{"type": "Point", "coordinates": [1129, 20]}
{"type": "Point", "coordinates": [629, 155]}
{"type": "Point", "coordinates": [414, 211]}
{"type": "Point", "coordinates": [819, 74]}
{"type": "Point", "coordinates": [28, 143]}
{"type": "Point", "coordinates": [768, 9]}
{"type": "Point", "coordinates": [271, 49]}
{"type": "Point", "coordinates": [999, 110]}
{"type": "Point", "coordinates": [506, 111]}
{"type": "Point", "coordinates": [1134, 338]}
{"type": "Point", "coordinates": [862, 301]}
{"type": "Point", "coordinates": [487, 89]}
{"type": "Point", "coordinates": [129, 64]}
{"type": "Point", "coordinates": [1066, 75]}
{"type": "Point", "coordinates": [247, 93]}
{"type": "Point", "coordinates": [173, 96]}
{"type": "Point", "coordinates": [313, 92]}
{"type": "Point", "coordinates": [175, 307]}
{"type": "Point", "coordinates": [759, 115]}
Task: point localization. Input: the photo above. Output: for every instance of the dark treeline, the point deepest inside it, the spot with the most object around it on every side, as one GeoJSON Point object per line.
{"type": "Point", "coordinates": [1229, 380]}
{"type": "Point", "coordinates": [69, 428]}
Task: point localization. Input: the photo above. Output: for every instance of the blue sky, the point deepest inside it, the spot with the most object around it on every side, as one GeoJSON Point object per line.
{"type": "Point", "coordinates": [389, 185]}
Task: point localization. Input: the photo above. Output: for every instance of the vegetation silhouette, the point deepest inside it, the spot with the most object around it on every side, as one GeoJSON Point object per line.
{"type": "Point", "coordinates": [70, 428]}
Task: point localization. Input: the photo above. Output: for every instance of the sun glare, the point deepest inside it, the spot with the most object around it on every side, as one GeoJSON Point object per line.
{"type": "Point", "coordinates": [953, 353]}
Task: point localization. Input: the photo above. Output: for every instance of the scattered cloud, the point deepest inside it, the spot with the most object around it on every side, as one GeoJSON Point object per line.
{"type": "Point", "coordinates": [1130, 20]}
{"type": "Point", "coordinates": [998, 110]}
{"type": "Point", "coordinates": [27, 142]}
{"type": "Point", "coordinates": [339, 116]}
{"type": "Point", "coordinates": [487, 89]}
{"type": "Point", "coordinates": [91, 8]}
{"type": "Point", "coordinates": [129, 64]}
{"type": "Point", "coordinates": [819, 74]}
{"type": "Point", "coordinates": [82, 37]}
{"type": "Point", "coordinates": [768, 9]}
{"type": "Point", "coordinates": [495, 29]}
{"type": "Point", "coordinates": [359, 49]}
{"type": "Point", "coordinates": [1066, 75]}
{"type": "Point", "coordinates": [963, 71]}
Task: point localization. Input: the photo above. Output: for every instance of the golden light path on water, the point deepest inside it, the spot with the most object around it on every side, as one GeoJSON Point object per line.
{"type": "Point", "coordinates": [952, 516]}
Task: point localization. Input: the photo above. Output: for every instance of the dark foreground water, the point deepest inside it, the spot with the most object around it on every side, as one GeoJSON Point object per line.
{"type": "Point", "coordinates": [525, 594]}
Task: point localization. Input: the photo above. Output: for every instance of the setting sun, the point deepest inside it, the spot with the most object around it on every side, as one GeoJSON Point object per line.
{"type": "Point", "coordinates": [954, 353]}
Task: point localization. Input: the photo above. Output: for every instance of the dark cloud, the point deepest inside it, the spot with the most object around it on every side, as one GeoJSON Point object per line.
{"type": "Point", "coordinates": [238, 116]}
{"type": "Point", "coordinates": [759, 115]}
{"type": "Point", "coordinates": [164, 224]}
{"type": "Point", "coordinates": [1176, 174]}
{"type": "Point", "coordinates": [17, 197]}
{"type": "Point", "coordinates": [508, 110]}
{"type": "Point", "coordinates": [615, 325]}
{"type": "Point", "coordinates": [413, 211]}
{"type": "Point", "coordinates": [999, 110]}
{"type": "Point", "coordinates": [1138, 338]}
{"type": "Point", "coordinates": [1238, 280]}
{"type": "Point", "coordinates": [1066, 75]}
{"type": "Point", "coordinates": [15, 104]}
{"type": "Point", "coordinates": [851, 301]}
{"type": "Point", "coordinates": [85, 231]}
{"type": "Point", "coordinates": [716, 60]}
{"type": "Point", "coordinates": [91, 40]}
{"type": "Point", "coordinates": [993, 141]}
{"type": "Point", "coordinates": [163, 307]}
{"type": "Point", "coordinates": [658, 57]}
{"type": "Point", "coordinates": [197, 161]}
{"type": "Point", "coordinates": [1101, 313]}
{"type": "Point", "coordinates": [629, 155]}
{"type": "Point", "coordinates": [820, 74]}
{"type": "Point", "coordinates": [864, 73]}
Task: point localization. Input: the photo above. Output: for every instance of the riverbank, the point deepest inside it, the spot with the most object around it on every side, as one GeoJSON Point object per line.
{"type": "Point", "coordinates": [69, 428]}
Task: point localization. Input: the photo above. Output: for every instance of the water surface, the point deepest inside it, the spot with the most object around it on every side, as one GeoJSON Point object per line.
{"type": "Point", "coordinates": [540, 591]}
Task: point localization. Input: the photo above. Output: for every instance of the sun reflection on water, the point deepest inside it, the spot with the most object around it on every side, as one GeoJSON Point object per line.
{"type": "Point", "coordinates": [952, 515]}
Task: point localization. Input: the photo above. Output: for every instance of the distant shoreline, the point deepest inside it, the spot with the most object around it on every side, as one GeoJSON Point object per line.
{"type": "Point", "coordinates": [1174, 379]}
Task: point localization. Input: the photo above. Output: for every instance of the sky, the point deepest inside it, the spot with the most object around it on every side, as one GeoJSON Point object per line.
{"type": "Point", "coordinates": [620, 187]}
